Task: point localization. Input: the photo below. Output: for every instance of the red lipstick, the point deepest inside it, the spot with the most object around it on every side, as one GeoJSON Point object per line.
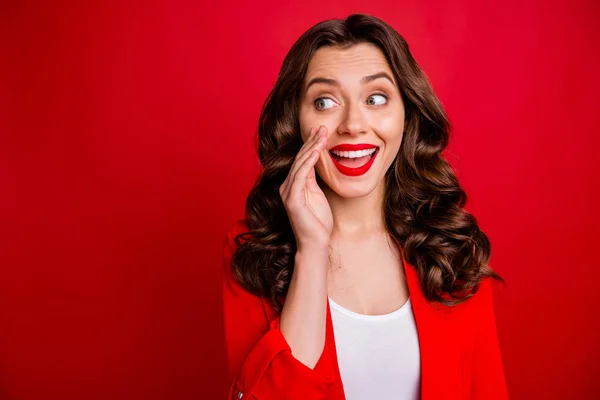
{"type": "Point", "coordinates": [350, 171]}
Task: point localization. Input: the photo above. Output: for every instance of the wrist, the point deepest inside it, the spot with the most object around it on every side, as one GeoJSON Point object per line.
{"type": "Point", "coordinates": [312, 251]}
{"type": "Point", "coordinates": [311, 258]}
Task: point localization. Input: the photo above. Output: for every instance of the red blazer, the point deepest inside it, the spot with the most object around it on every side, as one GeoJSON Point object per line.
{"type": "Point", "coordinates": [460, 354]}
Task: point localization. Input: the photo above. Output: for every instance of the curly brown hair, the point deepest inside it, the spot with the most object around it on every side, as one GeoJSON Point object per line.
{"type": "Point", "coordinates": [423, 203]}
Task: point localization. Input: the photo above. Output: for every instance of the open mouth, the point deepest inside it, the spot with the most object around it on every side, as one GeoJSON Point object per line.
{"type": "Point", "coordinates": [354, 163]}
{"type": "Point", "coordinates": [354, 159]}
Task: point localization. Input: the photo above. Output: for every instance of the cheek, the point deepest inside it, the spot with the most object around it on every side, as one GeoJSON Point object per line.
{"type": "Point", "coordinates": [392, 121]}
{"type": "Point", "coordinates": [391, 133]}
{"type": "Point", "coordinates": [308, 120]}
{"type": "Point", "coordinates": [304, 123]}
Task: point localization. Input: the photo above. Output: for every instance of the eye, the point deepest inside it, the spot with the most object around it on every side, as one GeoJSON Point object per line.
{"type": "Point", "coordinates": [377, 99]}
{"type": "Point", "coordinates": [323, 103]}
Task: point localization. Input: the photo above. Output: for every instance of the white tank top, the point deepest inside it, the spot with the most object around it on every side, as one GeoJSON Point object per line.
{"type": "Point", "coordinates": [378, 355]}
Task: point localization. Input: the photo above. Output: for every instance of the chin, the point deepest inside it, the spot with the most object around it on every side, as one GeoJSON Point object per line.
{"type": "Point", "coordinates": [349, 189]}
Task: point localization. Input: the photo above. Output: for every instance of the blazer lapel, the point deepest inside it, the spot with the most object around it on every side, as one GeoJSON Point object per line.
{"type": "Point", "coordinates": [440, 358]}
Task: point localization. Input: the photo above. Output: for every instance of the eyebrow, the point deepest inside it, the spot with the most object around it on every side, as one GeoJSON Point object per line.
{"type": "Point", "coordinates": [365, 79]}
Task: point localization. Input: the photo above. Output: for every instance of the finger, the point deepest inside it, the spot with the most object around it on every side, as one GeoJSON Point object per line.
{"type": "Point", "coordinates": [311, 133]}
{"type": "Point", "coordinates": [299, 181]}
{"type": "Point", "coordinates": [313, 138]}
{"type": "Point", "coordinates": [309, 142]}
{"type": "Point", "coordinates": [311, 182]}
{"type": "Point", "coordinates": [318, 145]}
{"type": "Point", "coordinates": [308, 147]}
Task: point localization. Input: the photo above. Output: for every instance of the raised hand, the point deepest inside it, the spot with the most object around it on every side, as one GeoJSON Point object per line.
{"type": "Point", "coordinates": [305, 203]}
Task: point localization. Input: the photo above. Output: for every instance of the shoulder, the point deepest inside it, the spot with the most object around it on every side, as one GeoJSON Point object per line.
{"type": "Point", "coordinates": [478, 307]}
{"type": "Point", "coordinates": [237, 227]}
{"type": "Point", "coordinates": [236, 295]}
{"type": "Point", "coordinates": [483, 298]}
{"type": "Point", "coordinates": [230, 245]}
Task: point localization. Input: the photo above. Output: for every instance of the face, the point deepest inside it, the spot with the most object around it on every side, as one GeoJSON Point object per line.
{"type": "Point", "coordinates": [353, 93]}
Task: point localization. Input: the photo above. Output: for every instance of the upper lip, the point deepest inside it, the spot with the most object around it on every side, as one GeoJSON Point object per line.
{"type": "Point", "coordinates": [353, 147]}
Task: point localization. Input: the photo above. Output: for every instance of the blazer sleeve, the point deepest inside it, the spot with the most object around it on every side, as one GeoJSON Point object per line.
{"type": "Point", "coordinates": [488, 379]}
{"type": "Point", "coordinates": [261, 364]}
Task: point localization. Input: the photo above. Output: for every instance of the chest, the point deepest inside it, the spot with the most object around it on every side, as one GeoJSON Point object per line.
{"type": "Point", "coordinates": [367, 278]}
{"type": "Point", "coordinates": [431, 358]}
{"type": "Point", "coordinates": [444, 348]}
{"type": "Point", "coordinates": [377, 354]}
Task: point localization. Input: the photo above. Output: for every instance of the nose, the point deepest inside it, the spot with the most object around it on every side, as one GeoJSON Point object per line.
{"type": "Point", "coordinates": [353, 122]}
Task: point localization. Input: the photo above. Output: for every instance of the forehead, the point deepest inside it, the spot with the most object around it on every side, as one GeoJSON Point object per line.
{"type": "Point", "coordinates": [358, 60]}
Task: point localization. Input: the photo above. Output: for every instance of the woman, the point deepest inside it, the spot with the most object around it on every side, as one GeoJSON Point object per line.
{"type": "Point", "coordinates": [357, 274]}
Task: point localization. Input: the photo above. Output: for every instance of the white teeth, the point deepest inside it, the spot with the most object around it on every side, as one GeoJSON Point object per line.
{"type": "Point", "coordinates": [354, 154]}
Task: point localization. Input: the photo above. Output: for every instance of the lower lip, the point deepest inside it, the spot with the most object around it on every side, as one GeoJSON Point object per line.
{"type": "Point", "coordinates": [354, 171]}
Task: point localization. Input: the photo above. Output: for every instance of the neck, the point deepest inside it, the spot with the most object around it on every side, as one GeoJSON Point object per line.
{"type": "Point", "coordinates": [356, 217]}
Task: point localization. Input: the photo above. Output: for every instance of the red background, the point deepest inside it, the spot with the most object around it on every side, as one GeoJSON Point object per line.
{"type": "Point", "coordinates": [126, 152]}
